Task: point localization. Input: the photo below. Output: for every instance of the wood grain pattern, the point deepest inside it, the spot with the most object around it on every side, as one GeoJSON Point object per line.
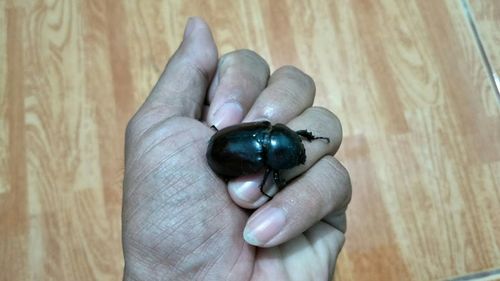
{"type": "Point", "coordinates": [421, 124]}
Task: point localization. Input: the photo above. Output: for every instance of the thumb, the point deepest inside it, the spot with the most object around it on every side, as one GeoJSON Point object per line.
{"type": "Point", "coordinates": [198, 47]}
{"type": "Point", "coordinates": [183, 84]}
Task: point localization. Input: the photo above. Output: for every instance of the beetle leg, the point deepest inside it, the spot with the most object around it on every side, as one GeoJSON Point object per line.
{"type": "Point", "coordinates": [266, 175]}
{"type": "Point", "coordinates": [280, 182]}
{"type": "Point", "coordinates": [309, 136]}
{"type": "Point", "coordinates": [215, 128]}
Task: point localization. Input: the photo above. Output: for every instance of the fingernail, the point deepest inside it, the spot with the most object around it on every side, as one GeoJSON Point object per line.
{"type": "Point", "coordinates": [189, 27]}
{"type": "Point", "coordinates": [228, 114]}
{"type": "Point", "coordinates": [262, 228]}
{"type": "Point", "coordinates": [247, 189]}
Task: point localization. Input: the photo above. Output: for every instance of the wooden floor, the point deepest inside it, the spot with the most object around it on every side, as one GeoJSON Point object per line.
{"type": "Point", "coordinates": [412, 81]}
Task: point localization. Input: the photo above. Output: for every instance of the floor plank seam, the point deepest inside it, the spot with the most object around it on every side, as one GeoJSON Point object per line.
{"type": "Point", "coordinates": [489, 275]}
{"type": "Point", "coordinates": [493, 76]}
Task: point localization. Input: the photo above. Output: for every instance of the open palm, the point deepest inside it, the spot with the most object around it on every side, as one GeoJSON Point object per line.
{"type": "Point", "coordinates": [182, 222]}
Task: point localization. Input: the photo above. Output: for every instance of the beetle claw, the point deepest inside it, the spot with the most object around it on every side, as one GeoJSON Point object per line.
{"type": "Point", "coordinates": [267, 195]}
{"type": "Point", "coordinates": [266, 175]}
{"type": "Point", "coordinates": [310, 137]}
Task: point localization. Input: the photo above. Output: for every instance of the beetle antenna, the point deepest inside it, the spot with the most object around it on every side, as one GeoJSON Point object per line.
{"type": "Point", "coordinates": [215, 128]}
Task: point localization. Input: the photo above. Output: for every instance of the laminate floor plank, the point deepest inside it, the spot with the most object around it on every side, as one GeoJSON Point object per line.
{"type": "Point", "coordinates": [420, 116]}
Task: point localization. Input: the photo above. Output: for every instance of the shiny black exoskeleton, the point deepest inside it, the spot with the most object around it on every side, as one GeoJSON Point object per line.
{"type": "Point", "coordinates": [248, 148]}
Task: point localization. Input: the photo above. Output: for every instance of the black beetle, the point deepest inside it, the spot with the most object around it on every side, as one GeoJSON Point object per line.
{"type": "Point", "coordinates": [247, 148]}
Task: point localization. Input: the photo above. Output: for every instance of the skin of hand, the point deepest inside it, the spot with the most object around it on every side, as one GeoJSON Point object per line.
{"type": "Point", "coordinates": [181, 221]}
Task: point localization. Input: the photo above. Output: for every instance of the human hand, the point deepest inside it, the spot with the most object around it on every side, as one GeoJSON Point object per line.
{"type": "Point", "coordinates": [181, 221]}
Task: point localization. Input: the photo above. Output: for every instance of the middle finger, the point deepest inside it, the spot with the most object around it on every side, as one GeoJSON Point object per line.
{"type": "Point", "coordinates": [289, 92]}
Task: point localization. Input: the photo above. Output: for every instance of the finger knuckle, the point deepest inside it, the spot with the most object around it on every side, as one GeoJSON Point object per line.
{"type": "Point", "coordinates": [290, 70]}
{"type": "Point", "coordinates": [228, 59]}
{"type": "Point", "coordinates": [284, 97]}
{"type": "Point", "coordinates": [247, 54]}
{"type": "Point", "coordinates": [339, 174]}
{"type": "Point", "coordinates": [325, 116]}
{"type": "Point", "coordinates": [244, 65]}
{"type": "Point", "coordinates": [294, 73]}
{"type": "Point", "coordinates": [287, 93]}
{"type": "Point", "coordinates": [186, 76]}
{"type": "Point", "coordinates": [323, 113]}
{"type": "Point", "coordinates": [243, 56]}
